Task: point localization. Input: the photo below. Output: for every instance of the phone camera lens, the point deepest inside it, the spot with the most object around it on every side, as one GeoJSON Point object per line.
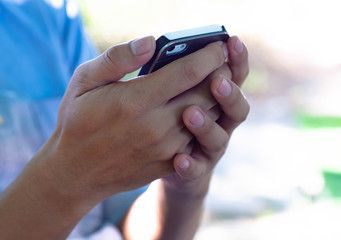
{"type": "Point", "coordinates": [171, 49]}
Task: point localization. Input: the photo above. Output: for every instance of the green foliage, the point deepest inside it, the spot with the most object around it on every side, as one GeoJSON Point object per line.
{"type": "Point", "coordinates": [306, 120]}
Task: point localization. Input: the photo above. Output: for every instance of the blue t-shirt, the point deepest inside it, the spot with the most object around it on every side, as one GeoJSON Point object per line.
{"type": "Point", "coordinates": [41, 44]}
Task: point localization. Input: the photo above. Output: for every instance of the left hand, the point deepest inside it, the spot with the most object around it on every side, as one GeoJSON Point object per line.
{"type": "Point", "coordinates": [212, 129]}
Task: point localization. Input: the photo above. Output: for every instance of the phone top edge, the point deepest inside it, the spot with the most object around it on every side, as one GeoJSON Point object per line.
{"type": "Point", "coordinates": [168, 39]}
{"type": "Point", "coordinates": [191, 37]}
{"type": "Point", "coordinates": [195, 31]}
{"type": "Point", "coordinates": [164, 43]}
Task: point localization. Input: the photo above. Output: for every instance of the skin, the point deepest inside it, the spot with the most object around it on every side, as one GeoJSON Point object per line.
{"type": "Point", "coordinates": [175, 203]}
{"type": "Point", "coordinates": [115, 136]}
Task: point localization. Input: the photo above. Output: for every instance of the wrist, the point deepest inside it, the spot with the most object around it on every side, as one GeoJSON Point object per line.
{"type": "Point", "coordinates": [34, 206]}
{"type": "Point", "coordinates": [55, 182]}
{"type": "Point", "coordinates": [179, 212]}
{"type": "Point", "coordinates": [192, 191]}
{"type": "Point", "coordinates": [50, 185]}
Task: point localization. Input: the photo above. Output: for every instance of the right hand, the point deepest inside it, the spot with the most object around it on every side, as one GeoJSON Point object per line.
{"type": "Point", "coordinates": [114, 136]}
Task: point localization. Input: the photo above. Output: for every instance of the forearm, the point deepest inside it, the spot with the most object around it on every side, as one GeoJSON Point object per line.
{"type": "Point", "coordinates": [35, 207]}
{"type": "Point", "coordinates": [180, 213]}
{"type": "Point", "coordinates": [164, 214]}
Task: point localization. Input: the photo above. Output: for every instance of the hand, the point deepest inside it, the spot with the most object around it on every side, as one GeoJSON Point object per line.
{"type": "Point", "coordinates": [111, 136]}
{"type": "Point", "coordinates": [194, 167]}
{"type": "Point", "coordinates": [115, 136]}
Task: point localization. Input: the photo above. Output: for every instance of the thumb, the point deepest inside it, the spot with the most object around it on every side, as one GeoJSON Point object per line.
{"type": "Point", "coordinates": [113, 64]}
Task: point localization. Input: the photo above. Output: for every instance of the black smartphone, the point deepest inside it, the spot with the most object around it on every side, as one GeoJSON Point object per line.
{"type": "Point", "coordinates": [174, 45]}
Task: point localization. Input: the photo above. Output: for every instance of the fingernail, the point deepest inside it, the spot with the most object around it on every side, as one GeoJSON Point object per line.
{"type": "Point", "coordinates": [141, 46]}
{"type": "Point", "coordinates": [238, 46]}
{"type": "Point", "coordinates": [226, 53]}
{"type": "Point", "coordinates": [224, 88]}
{"type": "Point", "coordinates": [197, 119]}
{"type": "Point", "coordinates": [183, 164]}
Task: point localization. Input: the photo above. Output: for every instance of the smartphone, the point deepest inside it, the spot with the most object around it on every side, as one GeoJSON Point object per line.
{"type": "Point", "coordinates": [175, 45]}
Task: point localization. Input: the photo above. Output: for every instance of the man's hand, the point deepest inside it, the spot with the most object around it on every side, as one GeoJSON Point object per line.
{"type": "Point", "coordinates": [212, 129]}
{"type": "Point", "coordinates": [174, 210]}
{"type": "Point", "coordinates": [111, 136]}
{"type": "Point", "coordinates": [116, 136]}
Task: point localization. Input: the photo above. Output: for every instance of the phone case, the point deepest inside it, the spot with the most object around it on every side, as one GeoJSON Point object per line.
{"type": "Point", "coordinates": [175, 45]}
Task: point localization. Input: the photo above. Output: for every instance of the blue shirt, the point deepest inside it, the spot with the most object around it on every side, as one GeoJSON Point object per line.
{"type": "Point", "coordinates": [41, 44]}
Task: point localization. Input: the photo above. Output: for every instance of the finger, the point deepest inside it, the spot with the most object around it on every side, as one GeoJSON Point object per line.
{"type": "Point", "coordinates": [177, 142]}
{"type": "Point", "coordinates": [199, 95]}
{"type": "Point", "coordinates": [223, 70]}
{"type": "Point", "coordinates": [187, 144]}
{"type": "Point", "coordinates": [114, 64]}
{"type": "Point", "coordinates": [238, 60]}
{"type": "Point", "coordinates": [189, 147]}
{"type": "Point", "coordinates": [161, 169]}
{"type": "Point", "coordinates": [210, 136]}
{"type": "Point", "coordinates": [189, 168]}
{"type": "Point", "coordinates": [182, 74]}
{"type": "Point", "coordinates": [214, 113]}
{"type": "Point", "coordinates": [232, 102]}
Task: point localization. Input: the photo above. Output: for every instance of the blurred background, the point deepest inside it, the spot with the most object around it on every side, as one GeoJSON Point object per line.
{"type": "Point", "coordinates": [281, 176]}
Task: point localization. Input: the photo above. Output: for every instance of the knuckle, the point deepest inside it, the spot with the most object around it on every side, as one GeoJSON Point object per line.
{"type": "Point", "coordinates": [125, 107]}
{"type": "Point", "coordinates": [226, 71]}
{"type": "Point", "coordinates": [242, 113]}
{"type": "Point", "coordinates": [126, 101]}
{"type": "Point", "coordinates": [81, 69]}
{"type": "Point", "coordinates": [81, 74]}
{"type": "Point", "coordinates": [111, 60]}
{"type": "Point", "coordinates": [220, 140]}
{"type": "Point", "coordinates": [246, 71]}
{"type": "Point", "coordinates": [222, 70]}
{"type": "Point", "coordinates": [191, 72]}
{"type": "Point", "coordinates": [220, 144]}
{"type": "Point", "coordinates": [81, 80]}
{"type": "Point", "coordinates": [246, 112]}
{"type": "Point", "coordinates": [166, 154]}
{"type": "Point", "coordinates": [240, 75]}
{"type": "Point", "coordinates": [130, 110]}
{"type": "Point", "coordinates": [241, 118]}
{"type": "Point", "coordinates": [109, 56]}
{"type": "Point", "coordinates": [154, 137]}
